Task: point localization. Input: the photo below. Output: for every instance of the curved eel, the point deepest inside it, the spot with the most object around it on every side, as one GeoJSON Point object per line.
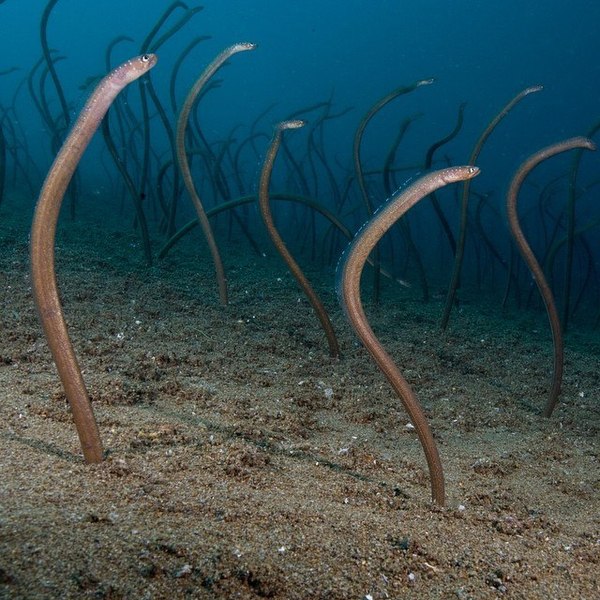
{"type": "Point", "coordinates": [293, 266]}
{"type": "Point", "coordinates": [43, 230]}
{"type": "Point", "coordinates": [532, 263]}
{"type": "Point", "coordinates": [464, 203]}
{"type": "Point", "coordinates": [348, 288]}
{"type": "Point", "coordinates": [184, 165]}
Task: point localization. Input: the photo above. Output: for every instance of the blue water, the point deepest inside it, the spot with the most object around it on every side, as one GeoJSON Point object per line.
{"type": "Point", "coordinates": [353, 53]}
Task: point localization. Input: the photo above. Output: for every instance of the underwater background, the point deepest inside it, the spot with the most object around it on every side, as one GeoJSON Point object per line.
{"type": "Point", "coordinates": [240, 453]}
{"type": "Point", "coordinates": [349, 55]}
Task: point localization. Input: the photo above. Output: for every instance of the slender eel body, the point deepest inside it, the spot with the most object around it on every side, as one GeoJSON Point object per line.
{"type": "Point", "coordinates": [358, 135]}
{"type": "Point", "coordinates": [464, 204]}
{"type": "Point", "coordinates": [532, 263]}
{"type": "Point", "coordinates": [360, 176]}
{"type": "Point", "coordinates": [43, 232]}
{"type": "Point", "coordinates": [265, 210]}
{"type": "Point", "coordinates": [182, 122]}
{"type": "Point", "coordinates": [348, 287]}
{"type": "Point", "coordinates": [566, 311]}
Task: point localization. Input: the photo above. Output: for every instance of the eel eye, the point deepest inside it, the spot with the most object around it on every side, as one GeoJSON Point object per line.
{"type": "Point", "coordinates": [145, 58]}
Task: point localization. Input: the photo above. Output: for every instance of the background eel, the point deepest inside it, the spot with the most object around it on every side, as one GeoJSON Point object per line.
{"type": "Point", "coordinates": [532, 262]}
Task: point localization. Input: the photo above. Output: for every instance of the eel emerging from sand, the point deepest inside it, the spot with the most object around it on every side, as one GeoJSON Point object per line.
{"type": "Point", "coordinates": [43, 230]}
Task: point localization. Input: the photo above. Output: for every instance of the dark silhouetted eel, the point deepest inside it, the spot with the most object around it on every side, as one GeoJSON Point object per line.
{"type": "Point", "coordinates": [530, 259]}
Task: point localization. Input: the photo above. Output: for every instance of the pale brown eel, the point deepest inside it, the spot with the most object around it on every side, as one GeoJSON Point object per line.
{"type": "Point", "coordinates": [43, 230]}
{"type": "Point", "coordinates": [348, 288]}
{"type": "Point", "coordinates": [184, 165]}
{"type": "Point", "coordinates": [293, 266]}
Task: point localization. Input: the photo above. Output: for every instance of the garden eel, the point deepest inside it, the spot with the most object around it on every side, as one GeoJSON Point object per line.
{"type": "Point", "coordinates": [265, 210]}
{"type": "Point", "coordinates": [528, 256]}
{"type": "Point", "coordinates": [43, 230]}
{"type": "Point", "coordinates": [348, 288]}
{"type": "Point", "coordinates": [182, 122]}
{"type": "Point", "coordinates": [571, 228]}
{"type": "Point", "coordinates": [464, 204]}
{"type": "Point", "coordinates": [360, 175]}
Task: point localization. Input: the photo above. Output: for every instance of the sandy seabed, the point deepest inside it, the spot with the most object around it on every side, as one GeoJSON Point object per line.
{"type": "Point", "coordinates": [243, 462]}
